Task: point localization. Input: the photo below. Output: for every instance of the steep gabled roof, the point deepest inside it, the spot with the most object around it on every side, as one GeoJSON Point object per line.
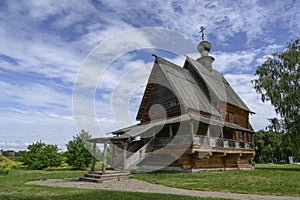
{"type": "Point", "coordinates": [217, 84]}
{"type": "Point", "coordinates": [182, 84]}
{"type": "Point", "coordinates": [186, 87]}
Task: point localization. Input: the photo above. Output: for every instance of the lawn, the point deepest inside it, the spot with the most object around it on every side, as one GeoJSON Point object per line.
{"type": "Point", "coordinates": [13, 187]}
{"type": "Point", "coordinates": [265, 179]}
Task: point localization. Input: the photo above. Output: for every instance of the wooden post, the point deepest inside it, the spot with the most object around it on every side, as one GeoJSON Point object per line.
{"type": "Point", "coordinates": [93, 156]}
{"type": "Point", "coordinates": [192, 128]}
{"type": "Point", "coordinates": [222, 134]}
{"type": "Point", "coordinates": [113, 150]}
{"type": "Point", "coordinates": [170, 132]}
{"type": "Point", "coordinates": [124, 156]}
{"type": "Point", "coordinates": [104, 157]}
{"type": "Point", "coordinates": [208, 131]}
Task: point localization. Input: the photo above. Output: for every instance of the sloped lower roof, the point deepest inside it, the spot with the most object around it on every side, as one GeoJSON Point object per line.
{"type": "Point", "coordinates": [219, 123]}
{"type": "Point", "coordinates": [139, 129]}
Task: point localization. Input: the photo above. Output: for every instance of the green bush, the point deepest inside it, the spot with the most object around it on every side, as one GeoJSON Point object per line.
{"type": "Point", "coordinates": [7, 165]}
{"type": "Point", "coordinates": [41, 156]}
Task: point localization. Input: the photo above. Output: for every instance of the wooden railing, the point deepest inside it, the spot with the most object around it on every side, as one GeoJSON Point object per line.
{"type": "Point", "coordinates": [177, 140]}
{"type": "Point", "coordinates": [204, 141]}
{"type": "Point", "coordinates": [222, 143]}
{"type": "Point", "coordinates": [139, 155]}
{"type": "Point", "coordinates": [133, 158]}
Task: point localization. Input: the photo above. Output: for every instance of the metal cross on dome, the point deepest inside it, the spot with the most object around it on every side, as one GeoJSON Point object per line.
{"type": "Point", "coordinates": [202, 32]}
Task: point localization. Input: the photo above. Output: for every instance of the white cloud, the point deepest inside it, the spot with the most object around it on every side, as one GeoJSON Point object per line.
{"type": "Point", "coordinates": [35, 95]}
{"type": "Point", "coordinates": [222, 18]}
{"type": "Point", "coordinates": [40, 56]}
{"type": "Point", "coordinates": [19, 126]}
{"type": "Point", "coordinates": [236, 61]}
{"type": "Point", "coordinates": [48, 40]}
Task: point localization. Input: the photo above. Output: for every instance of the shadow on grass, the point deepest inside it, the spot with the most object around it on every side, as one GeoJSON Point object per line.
{"type": "Point", "coordinates": [293, 169]}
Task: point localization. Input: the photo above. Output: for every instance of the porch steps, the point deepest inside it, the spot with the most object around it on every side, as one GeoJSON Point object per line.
{"type": "Point", "coordinates": [244, 165]}
{"type": "Point", "coordinates": [98, 176]}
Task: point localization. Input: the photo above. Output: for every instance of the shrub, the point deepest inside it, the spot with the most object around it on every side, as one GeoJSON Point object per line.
{"type": "Point", "coordinates": [7, 165]}
{"type": "Point", "coordinates": [41, 156]}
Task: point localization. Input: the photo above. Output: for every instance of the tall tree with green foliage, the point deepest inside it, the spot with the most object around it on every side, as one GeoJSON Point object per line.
{"type": "Point", "coordinates": [41, 156]}
{"type": "Point", "coordinates": [78, 151]}
{"type": "Point", "coordinates": [278, 82]}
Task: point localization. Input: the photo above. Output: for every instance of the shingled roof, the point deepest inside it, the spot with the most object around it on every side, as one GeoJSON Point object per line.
{"type": "Point", "coordinates": [143, 128]}
{"type": "Point", "coordinates": [217, 84]}
{"type": "Point", "coordinates": [185, 85]}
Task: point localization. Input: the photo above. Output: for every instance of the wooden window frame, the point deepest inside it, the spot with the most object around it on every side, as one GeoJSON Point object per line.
{"type": "Point", "coordinates": [230, 117]}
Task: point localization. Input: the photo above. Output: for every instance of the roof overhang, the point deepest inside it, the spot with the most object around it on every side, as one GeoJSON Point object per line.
{"type": "Point", "coordinates": [148, 129]}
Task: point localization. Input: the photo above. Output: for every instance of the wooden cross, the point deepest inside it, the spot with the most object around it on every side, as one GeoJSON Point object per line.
{"type": "Point", "coordinates": [202, 32]}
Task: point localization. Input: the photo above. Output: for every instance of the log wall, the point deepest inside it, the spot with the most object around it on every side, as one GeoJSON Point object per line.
{"type": "Point", "coordinates": [240, 116]}
{"type": "Point", "coordinates": [163, 96]}
{"type": "Point", "coordinates": [211, 161]}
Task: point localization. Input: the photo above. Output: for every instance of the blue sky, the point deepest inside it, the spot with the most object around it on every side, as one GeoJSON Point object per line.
{"type": "Point", "coordinates": [45, 44]}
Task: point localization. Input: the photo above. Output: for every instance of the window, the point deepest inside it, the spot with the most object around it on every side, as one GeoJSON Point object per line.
{"type": "Point", "coordinates": [251, 137]}
{"type": "Point", "coordinates": [173, 103]}
{"type": "Point", "coordinates": [230, 117]}
{"type": "Point", "coordinates": [241, 135]}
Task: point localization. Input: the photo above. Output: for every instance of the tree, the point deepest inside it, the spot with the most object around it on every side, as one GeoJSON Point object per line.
{"type": "Point", "coordinates": [78, 154]}
{"type": "Point", "coordinates": [41, 155]}
{"type": "Point", "coordinates": [278, 82]}
{"type": "Point", "coordinates": [270, 147]}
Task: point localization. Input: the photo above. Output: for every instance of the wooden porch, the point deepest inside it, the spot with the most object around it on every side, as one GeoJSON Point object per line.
{"type": "Point", "coordinates": [180, 136]}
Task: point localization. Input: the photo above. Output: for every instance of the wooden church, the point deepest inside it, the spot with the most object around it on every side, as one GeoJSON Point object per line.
{"type": "Point", "coordinates": [191, 119]}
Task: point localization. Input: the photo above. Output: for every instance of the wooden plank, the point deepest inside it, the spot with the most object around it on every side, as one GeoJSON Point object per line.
{"type": "Point", "coordinates": [227, 151]}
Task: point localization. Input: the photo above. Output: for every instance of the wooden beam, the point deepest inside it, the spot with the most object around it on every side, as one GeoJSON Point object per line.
{"type": "Point", "coordinates": [217, 155]}
{"type": "Point", "coordinates": [227, 151]}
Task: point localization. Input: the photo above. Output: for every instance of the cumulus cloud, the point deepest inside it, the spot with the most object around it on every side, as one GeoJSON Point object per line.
{"type": "Point", "coordinates": [19, 126]}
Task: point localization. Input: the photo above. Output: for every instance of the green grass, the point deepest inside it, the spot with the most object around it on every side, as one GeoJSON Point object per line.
{"type": "Point", "coordinates": [265, 179]}
{"type": "Point", "coordinates": [12, 186]}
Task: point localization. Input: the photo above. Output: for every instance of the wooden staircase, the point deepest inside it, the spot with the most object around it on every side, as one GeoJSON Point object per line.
{"type": "Point", "coordinates": [98, 176]}
{"type": "Point", "coordinates": [244, 165]}
{"type": "Point", "coordinates": [134, 158]}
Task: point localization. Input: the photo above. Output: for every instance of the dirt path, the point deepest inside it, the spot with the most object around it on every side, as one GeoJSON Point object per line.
{"type": "Point", "coordinates": [133, 185]}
